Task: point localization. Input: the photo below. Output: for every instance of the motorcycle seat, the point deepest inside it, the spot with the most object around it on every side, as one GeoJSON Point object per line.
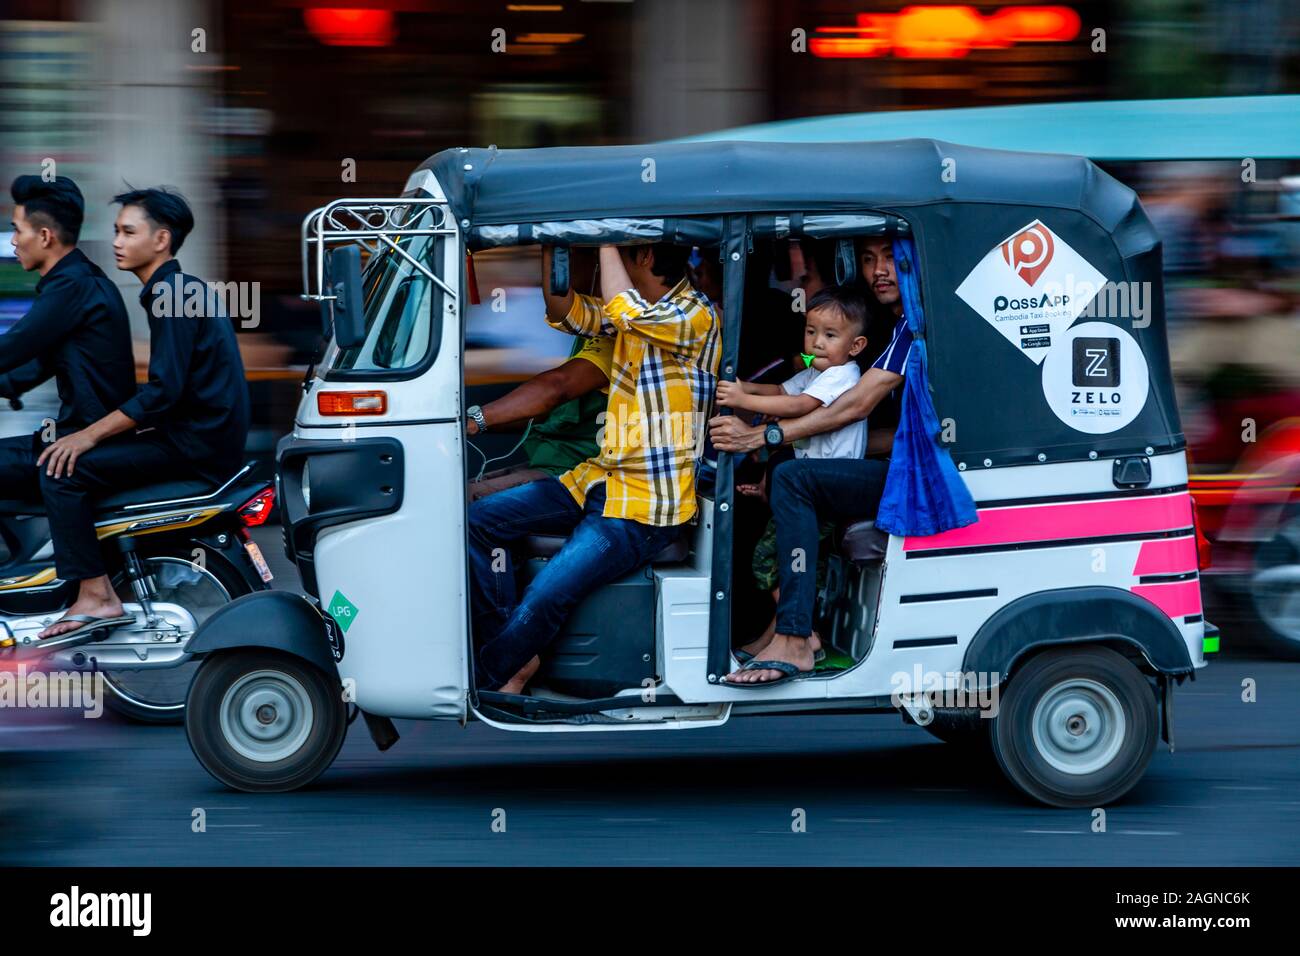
{"type": "Point", "coordinates": [160, 491]}
{"type": "Point", "coordinates": [139, 496]}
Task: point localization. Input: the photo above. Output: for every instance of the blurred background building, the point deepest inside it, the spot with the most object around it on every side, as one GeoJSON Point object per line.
{"type": "Point", "coordinates": [260, 110]}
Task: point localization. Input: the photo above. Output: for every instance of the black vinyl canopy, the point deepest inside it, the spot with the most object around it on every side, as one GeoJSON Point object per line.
{"type": "Point", "coordinates": [504, 186]}
{"type": "Point", "coordinates": [961, 204]}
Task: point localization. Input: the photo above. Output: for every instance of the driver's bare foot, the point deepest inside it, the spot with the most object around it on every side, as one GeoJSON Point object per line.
{"type": "Point", "coordinates": [515, 685]}
{"type": "Point", "coordinates": [93, 608]}
{"type": "Point", "coordinates": [756, 646]}
{"type": "Point", "coordinates": [798, 651]}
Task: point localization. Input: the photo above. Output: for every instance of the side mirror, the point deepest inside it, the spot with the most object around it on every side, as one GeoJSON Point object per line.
{"type": "Point", "coordinates": [345, 286]}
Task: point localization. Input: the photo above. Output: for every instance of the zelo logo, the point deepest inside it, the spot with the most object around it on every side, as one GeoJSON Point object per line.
{"type": "Point", "coordinates": [1095, 378]}
{"type": "Point", "coordinates": [1096, 362]}
{"type": "Point", "coordinates": [1029, 252]}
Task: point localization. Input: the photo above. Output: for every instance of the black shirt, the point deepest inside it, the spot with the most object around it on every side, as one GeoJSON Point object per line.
{"type": "Point", "coordinates": [196, 395]}
{"type": "Point", "coordinates": [76, 330]}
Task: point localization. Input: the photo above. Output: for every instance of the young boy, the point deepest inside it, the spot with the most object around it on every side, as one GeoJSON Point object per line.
{"type": "Point", "coordinates": [837, 319]}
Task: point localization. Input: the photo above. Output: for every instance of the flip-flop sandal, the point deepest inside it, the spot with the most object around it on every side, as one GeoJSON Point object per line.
{"type": "Point", "coordinates": [80, 635]}
{"type": "Point", "coordinates": [745, 657]}
{"type": "Point", "coordinates": [789, 672]}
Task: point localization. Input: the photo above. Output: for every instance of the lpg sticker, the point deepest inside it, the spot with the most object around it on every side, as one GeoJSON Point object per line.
{"type": "Point", "coordinates": [1030, 287]}
{"type": "Point", "coordinates": [1095, 378]}
{"type": "Point", "coordinates": [343, 611]}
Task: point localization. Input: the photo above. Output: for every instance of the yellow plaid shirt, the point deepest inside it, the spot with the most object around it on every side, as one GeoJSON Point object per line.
{"type": "Point", "coordinates": [662, 379]}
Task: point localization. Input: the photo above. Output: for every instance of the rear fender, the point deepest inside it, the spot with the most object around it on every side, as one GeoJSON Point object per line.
{"type": "Point", "coordinates": [278, 620]}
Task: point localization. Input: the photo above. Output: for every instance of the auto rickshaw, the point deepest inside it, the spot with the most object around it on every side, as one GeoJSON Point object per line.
{"type": "Point", "coordinates": [1051, 630]}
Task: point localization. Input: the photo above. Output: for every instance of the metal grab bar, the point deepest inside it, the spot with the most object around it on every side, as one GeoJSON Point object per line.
{"type": "Point", "coordinates": [368, 222]}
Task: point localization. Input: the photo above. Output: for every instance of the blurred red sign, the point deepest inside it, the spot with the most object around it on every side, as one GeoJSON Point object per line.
{"type": "Point", "coordinates": [942, 32]}
{"type": "Point", "coordinates": [350, 26]}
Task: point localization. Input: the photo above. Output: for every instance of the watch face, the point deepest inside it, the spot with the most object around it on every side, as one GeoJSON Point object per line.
{"type": "Point", "coordinates": [773, 435]}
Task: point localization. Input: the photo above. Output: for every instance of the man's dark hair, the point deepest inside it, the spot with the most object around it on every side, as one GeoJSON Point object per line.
{"type": "Point", "coordinates": [163, 207]}
{"type": "Point", "coordinates": [846, 300]}
{"type": "Point", "coordinates": [57, 206]}
{"type": "Point", "coordinates": [670, 262]}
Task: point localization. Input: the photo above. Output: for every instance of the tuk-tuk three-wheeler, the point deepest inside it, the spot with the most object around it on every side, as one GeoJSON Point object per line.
{"type": "Point", "coordinates": [1051, 630]}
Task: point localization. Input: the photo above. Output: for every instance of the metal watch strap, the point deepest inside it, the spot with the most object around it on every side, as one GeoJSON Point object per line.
{"type": "Point", "coordinates": [476, 413]}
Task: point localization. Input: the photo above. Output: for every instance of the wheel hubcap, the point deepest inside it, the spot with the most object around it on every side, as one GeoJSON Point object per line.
{"type": "Point", "coordinates": [266, 716]}
{"type": "Point", "coordinates": [1078, 726]}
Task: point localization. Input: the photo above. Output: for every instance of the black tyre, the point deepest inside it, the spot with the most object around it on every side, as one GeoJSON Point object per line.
{"type": "Point", "coordinates": [264, 722]}
{"type": "Point", "coordinates": [1076, 727]}
{"type": "Point", "coordinates": [158, 696]}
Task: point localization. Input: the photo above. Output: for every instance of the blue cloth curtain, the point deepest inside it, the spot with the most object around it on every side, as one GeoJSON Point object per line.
{"type": "Point", "coordinates": [924, 493]}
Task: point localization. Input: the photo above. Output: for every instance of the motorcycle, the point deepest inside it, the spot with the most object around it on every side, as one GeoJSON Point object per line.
{"type": "Point", "coordinates": [176, 551]}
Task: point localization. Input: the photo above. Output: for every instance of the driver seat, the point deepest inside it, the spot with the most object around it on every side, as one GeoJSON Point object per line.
{"type": "Point", "coordinates": [863, 542]}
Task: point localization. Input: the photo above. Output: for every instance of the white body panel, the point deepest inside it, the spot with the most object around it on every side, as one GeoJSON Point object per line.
{"type": "Point", "coordinates": [406, 573]}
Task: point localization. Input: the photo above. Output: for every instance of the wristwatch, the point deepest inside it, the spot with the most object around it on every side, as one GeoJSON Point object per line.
{"type": "Point", "coordinates": [476, 413]}
{"type": "Point", "coordinates": [773, 437]}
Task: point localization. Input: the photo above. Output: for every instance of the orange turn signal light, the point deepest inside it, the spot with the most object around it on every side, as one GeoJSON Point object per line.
{"type": "Point", "coordinates": [352, 403]}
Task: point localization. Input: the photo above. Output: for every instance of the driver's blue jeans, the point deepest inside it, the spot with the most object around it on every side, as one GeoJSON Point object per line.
{"type": "Point", "coordinates": [508, 630]}
{"type": "Point", "coordinates": [805, 492]}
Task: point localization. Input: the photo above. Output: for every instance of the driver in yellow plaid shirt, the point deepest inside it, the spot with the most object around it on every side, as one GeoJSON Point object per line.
{"type": "Point", "coordinates": [624, 505]}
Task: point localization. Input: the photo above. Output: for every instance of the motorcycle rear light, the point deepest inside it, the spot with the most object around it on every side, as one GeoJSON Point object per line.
{"type": "Point", "coordinates": [352, 403]}
{"type": "Point", "coordinates": [1202, 542]}
{"type": "Point", "coordinates": [257, 509]}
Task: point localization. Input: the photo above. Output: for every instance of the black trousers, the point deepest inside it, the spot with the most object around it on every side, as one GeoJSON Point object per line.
{"type": "Point", "coordinates": [123, 462]}
{"type": "Point", "coordinates": [18, 456]}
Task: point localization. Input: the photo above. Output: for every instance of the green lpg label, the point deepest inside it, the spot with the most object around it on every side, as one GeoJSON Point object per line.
{"type": "Point", "coordinates": [343, 610]}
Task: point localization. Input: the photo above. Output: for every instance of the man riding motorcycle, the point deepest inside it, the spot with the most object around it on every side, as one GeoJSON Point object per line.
{"type": "Point", "coordinates": [190, 419]}
{"type": "Point", "coordinates": [76, 331]}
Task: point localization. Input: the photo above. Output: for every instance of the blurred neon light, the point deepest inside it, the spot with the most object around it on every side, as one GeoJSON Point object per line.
{"type": "Point", "coordinates": [335, 26]}
{"type": "Point", "coordinates": [944, 32]}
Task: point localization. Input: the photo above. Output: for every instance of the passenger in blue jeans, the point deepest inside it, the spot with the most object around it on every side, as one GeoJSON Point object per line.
{"type": "Point", "coordinates": [806, 491]}
{"type": "Point", "coordinates": [630, 500]}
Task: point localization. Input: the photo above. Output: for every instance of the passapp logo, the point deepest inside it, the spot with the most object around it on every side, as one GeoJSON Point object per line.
{"type": "Point", "coordinates": [1030, 286]}
{"type": "Point", "coordinates": [1029, 252]}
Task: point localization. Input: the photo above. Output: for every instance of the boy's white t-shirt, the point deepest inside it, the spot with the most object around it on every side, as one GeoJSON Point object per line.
{"type": "Point", "coordinates": [847, 442]}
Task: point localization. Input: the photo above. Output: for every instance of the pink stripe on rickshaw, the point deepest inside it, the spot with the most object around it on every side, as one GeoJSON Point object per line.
{"type": "Point", "coordinates": [1166, 556]}
{"type": "Point", "coordinates": [1177, 598]}
{"type": "Point", "coordinates": [1084, 519]}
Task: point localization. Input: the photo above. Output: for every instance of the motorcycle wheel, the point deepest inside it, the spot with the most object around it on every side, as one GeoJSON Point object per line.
{"type": "Point", "coordinates": [158, 696]}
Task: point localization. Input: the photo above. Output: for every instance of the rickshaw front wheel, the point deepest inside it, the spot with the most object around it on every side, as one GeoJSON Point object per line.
{"type": "Point", "coordinates": [1076, 727]}
{"type": "Point", "coordinates": [263, 721]}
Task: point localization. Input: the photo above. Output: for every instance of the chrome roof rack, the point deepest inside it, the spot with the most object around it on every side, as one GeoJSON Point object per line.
{"type": "Point", "coordinates": [374, 224]}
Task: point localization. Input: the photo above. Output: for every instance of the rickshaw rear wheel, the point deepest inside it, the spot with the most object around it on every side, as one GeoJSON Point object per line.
{"type": "Point", "coordinates": [262, 721]}
{"type": "Point", "coordinates": [1076, 727]}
